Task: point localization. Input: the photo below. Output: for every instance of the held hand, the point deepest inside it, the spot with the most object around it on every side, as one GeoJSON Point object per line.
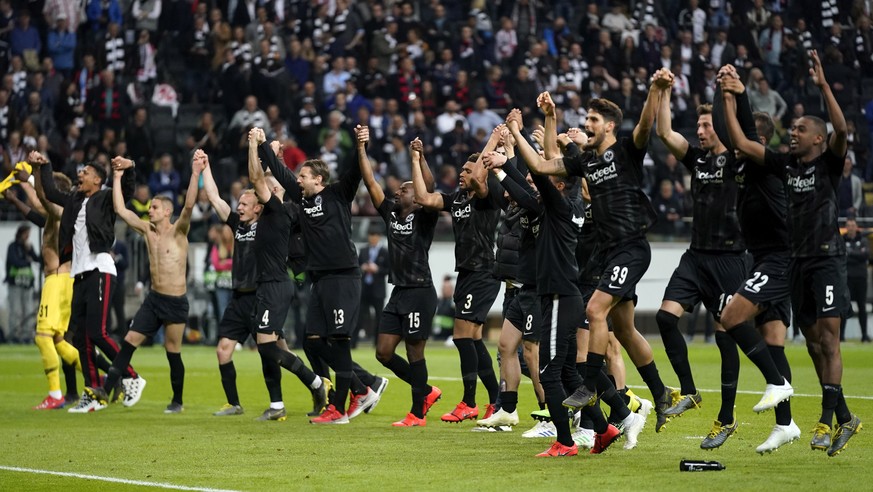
{"type": "Point", "coordinates": [120, 163]}
{"type": "Point", "coordinates": [35, 158]}
{"type": "Point", "coordinates": [662, 79]}
{"type": "Point", "coordinates": [513, 119]}
{"type": "Point", "coordinates": [198, 162]}
{"type": "Point", "coordinates": [363, 135]}
{"type": "Point", "coordinates": [416, 147]}
{"type": "Point", "coordinates": [276, 147]}
{"type": "Point", "coordinates": [253, 137]}
{"type": "Point", "coordinates": [577, 136]}
{"type": "Point", "coordinates": [732, 85]}
{"type": "Point", "coordinates": [494, 160]}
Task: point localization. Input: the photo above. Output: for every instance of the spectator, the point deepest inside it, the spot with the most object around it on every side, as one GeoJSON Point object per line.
{"type": "Point", "coordinates": [482, 117]}
{"type": "Point", "coordinates": [770, 43]}
{"type": "Point", "coordinates": [205, 135]}
{"type": "Point", "coordinates": [693, 19]}
{"type": "Point", "coordinates": [373, 259]}
{"type": "Point", "coordinates": [767, 100]}
{"type": "Point", "coordinates": [335, 80]}
{"type": "Point", "coordinates": [146, 14]}
{"type": "Point", "coordinates": [249, 116]}
{"type": "Point", "coordinates": [147, 69]}
{"type": "Point", "coordinates": [857, 260]}
{"type": "Point", "coordinates": [101, 13]}
{"type": "Point", "coordinates": [850, 194]}
{"type": "Point", "coordinates": [292, 156]}
{"type": "Point", "coordinates": [668, 208]}
{"type": "Point", "coordinates": [19, 285]}
{"type": "Point", "coordinates": [107, 102]}
{"type": "Point", "coordinates": [523, 91]}
{"type": "Point", "coordinates": [505, 42]}
{"type": "Point", "coordinates": [7, 23]}
{"type": "Point", "coordinates": [24, 41]}
{"type": "Point", "coordinates": [448, 120]}
{"type": "Point", "coordinates": [61, 45]}
{"type": "Point", "coordinates": [138, 136]}
{"type": "Point", "coordinates": [68, 9]}
{"type": "Point", "coordinates": [165, 181]}
{"type": "Point", "coordinates": [202, 217]}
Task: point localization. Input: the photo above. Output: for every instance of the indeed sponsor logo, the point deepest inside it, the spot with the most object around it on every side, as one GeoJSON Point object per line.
{"type": "Point", "coordinates": [801, 184]}
{"type": "Point", "coordinates": [463, 213]}
{"type": "Point", "coordinates": [399, 228]}
{"type": "Point", "coordinates": [316, 211]}
{"type": "Point", "coordinates": [707, 176]}
{"type": "Point", "coordinates": [603, 174]}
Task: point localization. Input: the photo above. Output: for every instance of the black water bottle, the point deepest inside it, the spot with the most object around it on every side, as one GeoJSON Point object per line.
{"type": "Point", "coordinates": [699, 465]}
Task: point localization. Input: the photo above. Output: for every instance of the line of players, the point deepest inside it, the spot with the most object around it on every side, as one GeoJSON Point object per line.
{"type": "Point", "coordinates": [764, 222]}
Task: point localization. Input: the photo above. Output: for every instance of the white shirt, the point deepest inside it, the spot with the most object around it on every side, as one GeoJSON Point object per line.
{"type": "Point", "coordinates": [83, 259]}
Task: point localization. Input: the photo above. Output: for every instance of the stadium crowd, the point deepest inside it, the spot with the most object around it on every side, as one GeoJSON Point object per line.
{"type": "Point", "coordinates": [156, 79]}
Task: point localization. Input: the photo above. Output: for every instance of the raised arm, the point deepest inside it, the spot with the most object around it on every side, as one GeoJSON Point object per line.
{"type": "Point", "coordinates": [130, 218]}
{"type": "Point", "coordinates": [839, 141]}
{"type": "Point", "coordinates": [675, 142]}
{"type": "Point", "coordinates": [183, 223]}
{"type": "Point", "coordinates": [423, 196]}
{"type": "Point", "coordinates": [647, 117]}
{"type": "Point", "coordinates": [26, 210]}
{"type": "Point", "coordinates": [535, 162]}
{"type": "Point", "coordinates": [32, 198]}
{"type": "Point", "coordinates": [754, 150]}
{"type": "Point", "coordinates": [286, 178]}
{"type": "Point", "coordinates": [256, 172]}
{"type": "Point", "coordinates": [221, 207]}
{"type": "Point", "coordinates": [377, 194]}
{"type": "Point", "coordinates": [513, 182]}
{"type": "Point", "coordinates": [550, 131]}
{"type": "Point", "coordinates": [480, 183]}
{"type": "Point", "coordinates": [418, 146]}
{"type": "Point", "coordinates": [50, 191]}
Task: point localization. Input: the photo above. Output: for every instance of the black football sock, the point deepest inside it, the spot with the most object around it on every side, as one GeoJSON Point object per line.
{"type": "Point", "coordinates": [469, 365]}
{"type": "Point", "coordinates": [509, 401]}
{"type": "Point", "coordinates": [342, 365]}
{"type": "Point", "coordinates": [842, 410]}
{"type": "Point", "coordinates": [272, 377]}
{"type": "Point", "coordinates": [420, 388]}
{"type": "Point", "coordinates": [116, 371]}
{"type": "Point", "coordinates": [593, 368]}
{"type": "Point", "coordinates": [730, 373]}
{"type": "Point", "coordinates": [400, 368]}
{"type": "Point", "coordinates": [177, 375]}
{"type": "Point", "coordinates": [366, 378]}
{"type": "Point", "coordinates": [70, 380]}
{"type": "Point", "coordinates": [649, 373]}
{"type": "Point", "coordinates": [751, 343]}
{"type": "Point", "coordinates": [228, 382]}
{"type": "Point", "coordinates": [318, 354]}
{"type": "Point", "coordinates": [485, 370]}
{"type": "Point", "coordinates": [830, 396]}
{"type": "Point", "coordinates": [677, 350]}
{"type": "Point", "coordinates": [783, 409]}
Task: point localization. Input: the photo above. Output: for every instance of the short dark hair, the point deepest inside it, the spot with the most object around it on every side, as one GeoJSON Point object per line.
{"type": "Point", "coordinates": [608, 109]}
{"type": "Point", "coordinates": [764, 125]}
{"type": "Point", "coordinates": [819, 124]}
{"type": "Point", "coordinates": [100, 170]}
{"type": "Point", "coordinates": [704, 109]}
{"type": "Point", "coordinates": [473, 157]}
{"type": "Point", "coordinates": [319, 168]}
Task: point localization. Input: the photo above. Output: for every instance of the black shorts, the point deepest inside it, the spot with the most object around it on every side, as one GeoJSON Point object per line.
{"type": "Point", "coordinates": [766, 284]}
{"type": "Point", "coordinates": [593, 269]}
{"type": "Point", "coordinates": [274, 300]}
{"type": "Point", "coordinates": [475, 293]}
{"type": "Point", "coordinates": [238, 320]}
{"type": "Point", "coordinates": [708, 278]}
{"type": "Point", "coordinates": [625, 266]}
{"type": "Point", "coordinates": [560, 315]}
{"type": "Point", "coordinates": [818, 288]}
{"type": "Point", "coordinates": [334, 304]}
{"type": "Point", "coordinates": [508, 296]}
{"type": "Point", "coordinates": [777, 310]}
{"type": "Point", "coordinates": [158, 310]}
{"type": "Point", "coordinates": [524, 314]}
{"type": "Point", "coordinates": [409, 312]}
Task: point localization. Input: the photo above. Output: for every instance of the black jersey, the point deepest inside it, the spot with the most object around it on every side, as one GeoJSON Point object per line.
{"type": "Point", "coordinates": [409, 240]}
{"type": "Point", "coordinates": [762, 208]}
{"type": "Point", "coordinates": [586, 246]}
{"type": "Point", "coordinates": [623, 212]}
{"type": "Point", "coordinates": [812, 202]}
{"type": "Point", "coordinates": [244, 267]}
{"type": "Point", "coordinates": [529, 221]}
{"type": "Point", "coordinates": [508, 244]}
{"type": "Point", "coordinates": [296, 261]}
{"type": "Point", "coordinates": [474, 221]}
{"type": "Point", "coordinates": [559, 230]}
{"type": "Point", "coordinates": [271, 242]}
{"type": "Point", "coordinates": [327, 225]}
{"type": "Point", "coordinates": [716, 226]}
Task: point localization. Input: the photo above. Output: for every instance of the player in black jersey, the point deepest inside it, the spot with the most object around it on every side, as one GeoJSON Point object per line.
{"type": "Point", "coordinates": [297, 259]}
{"type": "Point", "coordinates": [561, 305]}
{"type": "Point", "coordinates": [811, 172]}
{"type": "Point", "coordinates": [614, 170]}
{"type": "Point", "coordinates": [475, 210]}
{"type": "Point", "coordinates": [515, 264]}
{"type": "Point", "coordinates": [411, 307]}
{"type": "Point", "coordinates": [332, 264]}
{"type": "Point", "coordinates": [274, 288]}
{"type": "Point", "coordinates": [236, 323]}
{"type": "Point", "coordinates": [714, 265]}
{"type": "Point", "coordinates": [762, 209]}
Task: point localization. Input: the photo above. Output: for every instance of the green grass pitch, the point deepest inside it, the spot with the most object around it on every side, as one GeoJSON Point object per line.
{"type": "Point", "coordinates": [195, 449]}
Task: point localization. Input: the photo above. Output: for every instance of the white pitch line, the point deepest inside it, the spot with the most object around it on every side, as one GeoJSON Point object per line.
{"type": "Point", "coordinates": [742, 392]}
{"type": "Point", "coordinates": [112, 479]}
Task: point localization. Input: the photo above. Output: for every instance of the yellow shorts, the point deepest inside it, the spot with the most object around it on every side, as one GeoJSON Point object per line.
{"type": "Point", "coordinates": [54, 305]}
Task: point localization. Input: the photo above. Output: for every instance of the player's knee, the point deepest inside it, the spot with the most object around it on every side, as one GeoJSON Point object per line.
{"type": "Point", "coordinates": [667, 322]}
{"type": "Point", "coordinates": [384, 355]}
